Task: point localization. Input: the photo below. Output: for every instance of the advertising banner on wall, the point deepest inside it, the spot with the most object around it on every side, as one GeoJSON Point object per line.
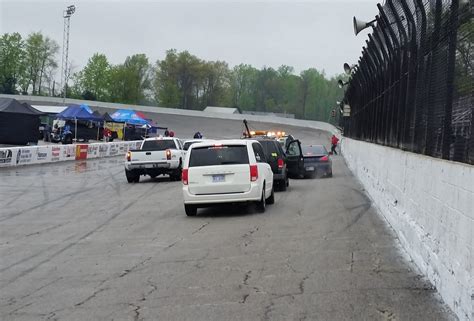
{"type": "Point", "coordinates": [81, 151]}
{"type": "Point", "coordinates": [104, 150]}
{"type": "Point", "coordinates": [68, 152]}
{"type": "Point", "coordinates": [42, 155]}
{"type": "Point", "coordinates": [6, 157]}
{"type": "Point", "coordinates": [16, 156]}
{"type": "Point", "coordinates": [93, 151]}
{"type": "Point", "coordinates": [24, 156]}
{"type": "Point", "coordinates": [113, 149]}
{"type": "Point", "coordinates": [55, 153]}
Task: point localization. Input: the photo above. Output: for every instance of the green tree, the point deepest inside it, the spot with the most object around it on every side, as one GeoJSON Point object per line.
{"type": "Point", "coordinates": [94, 79]}
{"type": "Point", "coordinates": [242, 86]}
{"type": "Point", "coordinates": [130, 82]}
{"type": "Point", "coordinates": [12, 55]}
{"type": "Point", "coordinates": [165, 86]}
{"type": "Point", "coordinates": [179, 80]}
{"type": "Point", "coordinates": [214, 81]}
{"type": "Point", "coordinates": [40, 55]}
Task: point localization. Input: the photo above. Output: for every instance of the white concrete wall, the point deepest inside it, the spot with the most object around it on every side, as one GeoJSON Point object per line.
{"type": "Point", "coordinates": [429, 202]}
{"type": "Point", "coordinates": [31, 155]}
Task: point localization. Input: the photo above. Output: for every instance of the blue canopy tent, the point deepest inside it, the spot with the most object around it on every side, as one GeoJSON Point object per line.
{"type": "Point", "coordinates": [79, 112]}
{"type": "Point", "coordinates": [129, 116]}
{"type": "Point", "coordinates": [138, 120]}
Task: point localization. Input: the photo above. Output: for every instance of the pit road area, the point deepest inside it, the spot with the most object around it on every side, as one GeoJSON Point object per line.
{"type": "Point", "coordinates": [77, 242]}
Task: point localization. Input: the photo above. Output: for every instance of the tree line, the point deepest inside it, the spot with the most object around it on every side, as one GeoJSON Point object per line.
{"type": "Point", "coordinates": [180, 80]}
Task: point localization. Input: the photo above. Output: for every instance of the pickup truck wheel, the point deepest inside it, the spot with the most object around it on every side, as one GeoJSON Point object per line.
{"type": "Point", "coordinates": [271, 199]}
{"type": "Point", "coordinates": [262, 204]}
{"type": "Point", "coordinates": [190, 210]}
{"type": "Point", "coordinates": [176, 175]}
{"type": "Point", "coordinates": [130, 176]}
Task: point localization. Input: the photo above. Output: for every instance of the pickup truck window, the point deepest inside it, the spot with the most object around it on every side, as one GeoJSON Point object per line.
{"type": "Point", "coordinates": [155, 145]}
{"type": "Point", "coordinates": [270, 148]}
{"type": "Point", "coordinates": [218, 155]}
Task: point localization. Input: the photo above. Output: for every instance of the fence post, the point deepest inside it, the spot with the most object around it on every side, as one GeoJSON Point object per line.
{"type": "Point", "coordinates": [448, 107]}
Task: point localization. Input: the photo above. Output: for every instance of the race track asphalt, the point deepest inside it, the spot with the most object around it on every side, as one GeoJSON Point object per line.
{"type": "Point", "coordinates": [77, 242]}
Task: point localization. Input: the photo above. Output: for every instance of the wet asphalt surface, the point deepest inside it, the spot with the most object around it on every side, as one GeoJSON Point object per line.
{"type": "Point", "coordinates": [77, 242]}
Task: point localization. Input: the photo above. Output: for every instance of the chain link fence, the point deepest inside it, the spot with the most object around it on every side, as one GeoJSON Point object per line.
{"type": "Point", "coordinates": [413, 86]}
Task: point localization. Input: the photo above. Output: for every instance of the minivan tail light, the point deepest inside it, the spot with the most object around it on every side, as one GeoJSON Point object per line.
{"type": "Point", "coordinates": [129, 156]}
{"type": "Point", "coordinates": [184, 176]}
{"type": "Point", "coordinates": [324, 158]}
{"type": "Point", "coordinates": [253, 173]}
{"type": "Point", "coordinates": [168, 154]}
{"type": "Point", "coordinates": [280, 163]}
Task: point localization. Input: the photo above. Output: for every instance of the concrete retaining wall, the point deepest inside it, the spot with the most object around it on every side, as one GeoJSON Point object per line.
{"type": "Point", "coordinates": [18, 156]}
{"type": "Point", "coordinates": [430, 204]}
{"type": "Point", "coordinates": [39, 100]}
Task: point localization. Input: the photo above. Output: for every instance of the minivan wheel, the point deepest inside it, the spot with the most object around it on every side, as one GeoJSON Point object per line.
{"type": "Point", "coordinates": [283, 184]}
{"type": "Point", "coordinates": [262, 204]}
{"type": "Point", "coordinates": [190, 210]}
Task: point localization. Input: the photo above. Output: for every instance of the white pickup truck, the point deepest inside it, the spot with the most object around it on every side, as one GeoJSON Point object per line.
{"type": "Point", "coordinates": [156, 156]}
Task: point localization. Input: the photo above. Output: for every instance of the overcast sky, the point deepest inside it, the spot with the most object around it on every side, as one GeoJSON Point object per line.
{"type": "Point", "coordinates": [305, 34]}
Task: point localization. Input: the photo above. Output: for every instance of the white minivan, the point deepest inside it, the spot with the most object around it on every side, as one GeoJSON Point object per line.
{"type": "Point", "coordinates": [226, 171]}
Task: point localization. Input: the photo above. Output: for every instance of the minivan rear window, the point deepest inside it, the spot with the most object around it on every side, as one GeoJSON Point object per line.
{"type": "Point", "coordinates": [218, 155]}
{"type": "Point", "coordinates": [154, 145]}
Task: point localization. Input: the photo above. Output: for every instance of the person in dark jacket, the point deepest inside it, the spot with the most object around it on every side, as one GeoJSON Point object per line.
{"type": "Point", "coordinates": [334, 141]}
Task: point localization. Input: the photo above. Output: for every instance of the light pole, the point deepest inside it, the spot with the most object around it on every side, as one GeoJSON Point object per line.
{"type": "Point", "coordinates": [64, 63]}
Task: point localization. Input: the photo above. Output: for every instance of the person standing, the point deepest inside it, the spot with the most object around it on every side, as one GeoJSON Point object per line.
{"type": "Point", "coordinates": [47, 133]}
{"type": "Point", "coordinates": [334, 141]}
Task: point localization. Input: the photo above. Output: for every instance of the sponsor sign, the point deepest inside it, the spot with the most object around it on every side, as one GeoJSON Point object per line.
{"type": "Point", "coordinates": [55, 153]}
{"type": "Point", "coordinates": [103, 150]}
{"type": "Point", "coordinates": [114, 149]}
{"type": "Point", "coordinates": [24, 156]}
{"type": "Point", "coordinates": [93, 151]}
{"type": "Point", "coordinates": [43, 154]}
{"type": "Point", "coordinates": [6, 156]}
{"type": "Point", "coordinates": [69, 152]}
{"type": "Point", "coordinates": [81, 151]}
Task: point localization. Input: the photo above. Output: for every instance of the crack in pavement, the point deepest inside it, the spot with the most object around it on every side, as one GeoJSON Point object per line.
{"type": "Point", "coordinates": [244, 298]}
{"type": "Point", "coordinates": [106, 222]}
{"type": "Point", "coordinates": [247, 236]}
{"type": "Point", "coordinates": [90, 297]}
{"type": "Point", "coordinates": [133, 268]}
{"type": "Point", "coordinates": [386, 314]}
{"type": "Point", "coordinates": [246, 278]}
{"type": "Point", "coordinates": [75, 193]}
{"type": "Point", "coordinates": [200, 228]}
{"type": "Point", "coordinates": [136, 310]}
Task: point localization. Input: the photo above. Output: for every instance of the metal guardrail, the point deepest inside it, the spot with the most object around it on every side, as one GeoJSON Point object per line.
{"type": "Point", "coordinates": [413, 87]}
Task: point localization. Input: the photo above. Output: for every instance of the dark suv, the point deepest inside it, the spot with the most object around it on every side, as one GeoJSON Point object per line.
{"type": "Point", "coordinates": [277, 159]}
